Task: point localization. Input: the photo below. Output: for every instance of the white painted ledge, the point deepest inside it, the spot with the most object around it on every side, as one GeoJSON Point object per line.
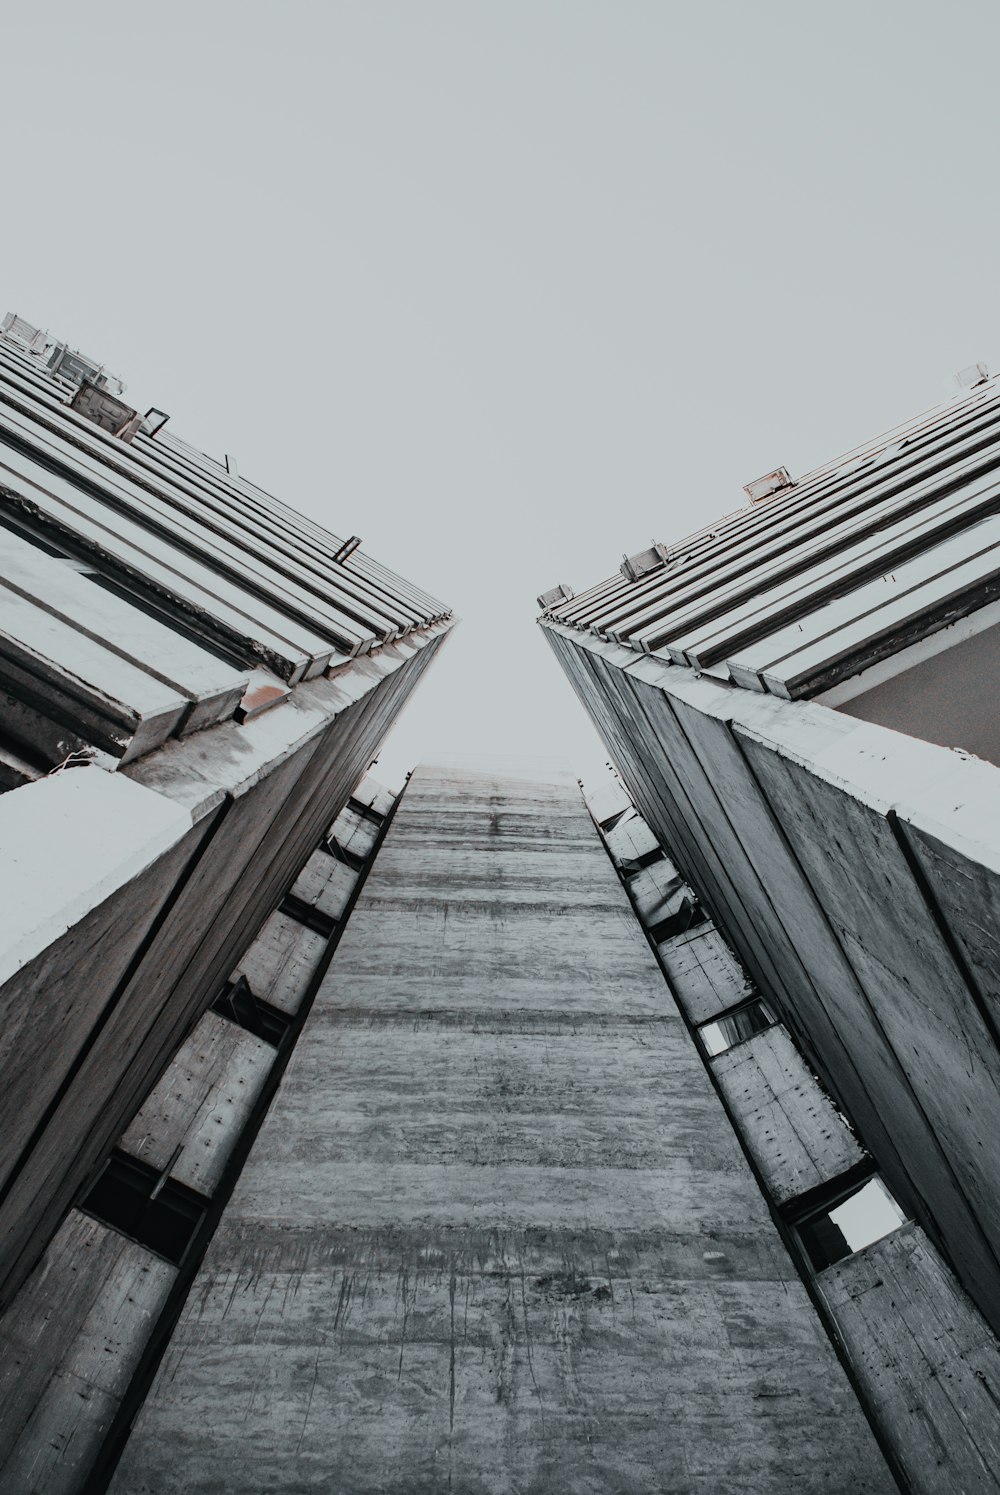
{"type": "Point", "coordinates": [66, 843]}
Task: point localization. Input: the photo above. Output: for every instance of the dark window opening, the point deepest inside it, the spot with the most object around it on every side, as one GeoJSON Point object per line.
{"type": "Point", "coordinates": [39, 730]}
{"type": "Point", "coordinates": [612, 821]}
{"type": "Point", "coordinates": [349, 858]}
{"type": "Point", "coordinates": [685, 917]}
{"type": "Point", "coordinates": [147, 1206]}
{"type": "Point", "coordinates": [730, 1028]}
{"type": "Point", "coordinates": [237, 1003]}
{"type": "Point", "coordinates": [174, 620]}
{"type": "Point", "coordinates": [631, 865]}
{"type": "Point", "coordinates": [20, 761]}
{"type": "Point", "coordinates": [846, 1221]}
{"type": "Point", "coordinates": [365, 811]}
{"type": "Point", "coordinates": [9, 522]}
{"type": "Point", "coordinates": [307, 914]}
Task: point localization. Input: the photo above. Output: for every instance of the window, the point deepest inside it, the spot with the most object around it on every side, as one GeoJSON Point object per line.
{"type": "Point", "coordinates": [688, 913]}
{"type": "Point", "coordinates": [735, 1027]}
{"type": "Point", "coordinates": [237, 1003]}
{"type": "Point", "coordinates": [632, 865]}
{"type": "Point", "coordinates": [839, 1228]}
{"type": "Point", "coordinates": [366, 812]}
{"type": "Point", "coordinates": [344, 854]}
{"type": "Point", "coordinates": [306, 913]}
{"type": "Point", "coordinates": [147, 1206]}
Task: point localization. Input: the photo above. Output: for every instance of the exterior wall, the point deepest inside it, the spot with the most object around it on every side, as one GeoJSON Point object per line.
{"type": "Point", "coordinates": [68, 1350]}
{"type": "Point", "coordinates": [126, 983]}
{"type": "Point", "coordinates": [192, 678]}
{"type": "Point", "coordinates": [855, 873]}
{"type": "Point", "coordinates": [80, 1340]}
{"type": "Point", "coordinates": [922, 1355]}
{"type": "Point", "coordinates": [948, 698]}
{"type": "Point", "coordinates": [497, 1233]}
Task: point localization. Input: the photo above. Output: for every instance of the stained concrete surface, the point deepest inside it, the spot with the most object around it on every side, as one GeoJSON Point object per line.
{"type": "Point", "coordinates": [856, 875]}
{"type": "Point", "coordinates": [496, 1234]}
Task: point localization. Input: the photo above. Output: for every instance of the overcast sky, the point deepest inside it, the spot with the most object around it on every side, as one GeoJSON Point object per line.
{"type": "Point", "coordinates": [509, 288]}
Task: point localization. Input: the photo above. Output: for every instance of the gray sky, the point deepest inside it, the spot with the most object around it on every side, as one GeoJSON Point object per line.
{"type": "Point", "coordinates": [509, 288]}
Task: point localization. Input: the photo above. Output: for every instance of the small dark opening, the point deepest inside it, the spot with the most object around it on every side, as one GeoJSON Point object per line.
{"type": "Point", "coordinates": [689, 913]}
{"type": "Point", "coordinates": [365, 811]}
{"type": "Point", "coordinates": [632, 865]}
{"type": "Point", "coordinates": [158, 1212]}
{"type": "Point", "coordinates": [307, 914]}
{"type": "Point", "coordinates": [237, 1003]}
{"type": "Point", "coordinates": [612, 821]}
{"type": "Point", "coordinates": [349, 858]}
{"type": "Point", "coordinates": [824, 1241]}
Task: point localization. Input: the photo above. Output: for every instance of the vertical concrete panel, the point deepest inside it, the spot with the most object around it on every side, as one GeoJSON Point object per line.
{"type": "Point", "coordinates": [919, 1006]}
{"type": "Point", "coordinates": [926, 1360]}
{"type": "Point", "coordinates": [805, 969]}
{"type": "Point", "coordinates": [68, 1349]}
{"type": "Point", "coordinates": [964, 883]}
{"type": "Point", "coordinates": [878, 931]}
{"type": "Point", "coordinates": [496, 1234]}
{"type": "Point", "coordinates": [793, 1130]}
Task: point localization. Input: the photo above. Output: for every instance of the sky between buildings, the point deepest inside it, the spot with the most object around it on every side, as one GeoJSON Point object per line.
{"type": "Point", "coordinates": [509, 288]}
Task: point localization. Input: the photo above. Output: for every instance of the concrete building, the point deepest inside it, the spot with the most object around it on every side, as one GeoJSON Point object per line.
{"type": "Point", "coordinates": [194, 680]}
{"type": "Point", "coordinates": [486, 1138]}
{"type": "Point", "coordinates": [800, 701]}
{"type": "Point", "coordinates": [497, 1234]}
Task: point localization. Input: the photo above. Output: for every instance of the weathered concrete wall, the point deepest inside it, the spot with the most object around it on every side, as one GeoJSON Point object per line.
{"type": "Point", "coordinates": [67, 1352]}
{"type": "Point", "coordinates": [497, 1234]}
{"type": "Point", "coordinates": [923, 1356]}
{"type": "Point", "coordinates": [856, 874]}
{"type": "Point", "coordinates": [80, 1328]}
{"type": "Point", "coordinates": [198, 1110]}
{"type": "Point", "coordinates": [123, 983]}
{"type": "Point", "coordinates": [792, 1128]}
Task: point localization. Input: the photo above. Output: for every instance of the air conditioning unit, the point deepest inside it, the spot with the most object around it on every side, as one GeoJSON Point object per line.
{"type": "Point", "coordinates": [74, 367]}
{"type": "Point", "coordinates": [765, 487]}
{"type": "Point", "coordinates": [77, 368]}
{"type": "Point", "coordinates": [645, 561]}
{"type": "Point", "coordinates": [18, 329]}
{"type": "Point", "coordinates": [557, 594]}
{"type": "Point", "coordinates": [106, 411]}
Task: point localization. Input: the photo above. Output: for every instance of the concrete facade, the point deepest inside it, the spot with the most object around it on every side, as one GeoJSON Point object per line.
{"type": "Point", "coordinates": [497, 1234]}
{"type": "Point", "coordinates": [193, 682]}
{"type": "Point", "coordinates": [80, 1340]}
{"type": "Point", "coordinates": [749, 683]}
{"type": "Point", "coordinates": [926, 1364]}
